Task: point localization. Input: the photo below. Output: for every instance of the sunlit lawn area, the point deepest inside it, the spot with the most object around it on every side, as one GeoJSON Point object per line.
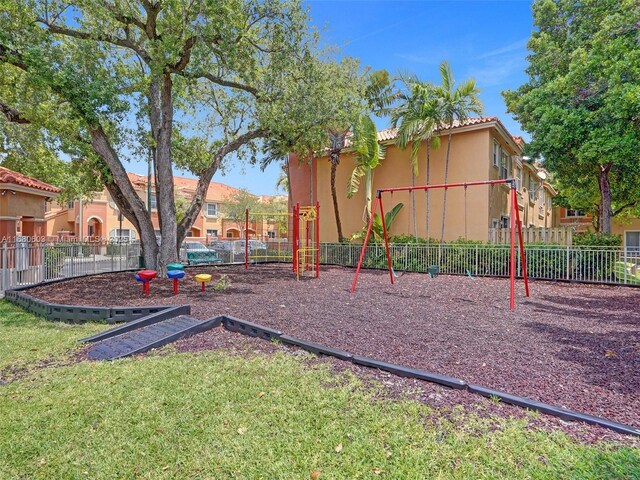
{"type": "Point", "coordinates": [221, 415]}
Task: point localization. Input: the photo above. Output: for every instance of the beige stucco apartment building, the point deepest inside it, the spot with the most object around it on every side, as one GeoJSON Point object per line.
{"type": "Point", "coordinates": [481, 149]}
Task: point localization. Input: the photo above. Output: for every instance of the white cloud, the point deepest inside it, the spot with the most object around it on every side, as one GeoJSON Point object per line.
{"type": "Point", "coordinates": [497, 71]}
{"type": "Point", "coordinates": [512, 47]}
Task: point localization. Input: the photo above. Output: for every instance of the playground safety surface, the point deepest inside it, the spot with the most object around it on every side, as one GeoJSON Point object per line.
{"type": "Point", "coordinates": [572, 345]}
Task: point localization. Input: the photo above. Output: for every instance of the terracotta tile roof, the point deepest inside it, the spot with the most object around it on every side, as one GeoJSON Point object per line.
{"type": "Point", "coordinates": [16, 178]}
{"type": "Point", "coordinates": [217, 192]}
{"type": "Point", "coordinates": [519, 141]}
{"type": "Point", "coordinates": [391, 133]}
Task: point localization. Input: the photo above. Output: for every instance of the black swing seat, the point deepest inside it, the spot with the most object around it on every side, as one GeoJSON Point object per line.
{"type": "Point", "coordinates": [434, 270]}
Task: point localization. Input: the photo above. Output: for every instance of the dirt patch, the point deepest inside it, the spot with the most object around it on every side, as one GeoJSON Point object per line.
{"type": "Point", "coordinates": [572, 345]}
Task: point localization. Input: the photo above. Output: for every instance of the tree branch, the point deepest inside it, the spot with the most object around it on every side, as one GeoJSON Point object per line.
{"type": "Point", "coordinates": [205, 179]}
{"type": "Point", "coordinates": [623, 208]}
{"type": "Point", "coordinates": [12, 57]}
{"type": "Point", "coordinates": [125, 19]}
{"type": "Point", "coordinates": [185, 57]}
{"type": "Point", "coordinates": [152, 9]}
{"type": "Point", "coordinates": [224, 83]}
{"type": "Point", "coordinates": [12, 115]}
{"type": "Point", "coordinates": [120, 42]}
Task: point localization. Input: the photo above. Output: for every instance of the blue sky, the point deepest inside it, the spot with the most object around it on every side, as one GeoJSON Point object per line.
{"type": "Point", "coordinates": [480, 39]}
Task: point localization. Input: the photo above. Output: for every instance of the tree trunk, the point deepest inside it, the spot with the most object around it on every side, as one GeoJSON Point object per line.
{"type": "Point", "coordinates": [161, 116]}
{"type": "Point", "coordinates": [427, 192]}
{"type": "Point", "coordinates": [413, 205]}
{"type": "Point", "coordinates": [368, 188]}
{"type": "Point", "coordinates": [606, 212]}
{"type": "Point", "coordinates": [125, 197]}
{"type": "Point", "coordinates": [334, 196]}
{"type": "Point", "coordinates": [446, 177]}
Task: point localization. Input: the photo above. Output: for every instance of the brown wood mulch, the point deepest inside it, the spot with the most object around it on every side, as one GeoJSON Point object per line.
{"type": "Point", "coordinates": [571, 345]}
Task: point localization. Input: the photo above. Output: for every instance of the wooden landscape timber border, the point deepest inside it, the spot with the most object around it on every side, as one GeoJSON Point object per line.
{"type": "Point", "coordinates": [252, 329]}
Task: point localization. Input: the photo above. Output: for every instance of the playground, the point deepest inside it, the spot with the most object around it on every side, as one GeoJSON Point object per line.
{"type": "Point", "coordinates": [571, 345]}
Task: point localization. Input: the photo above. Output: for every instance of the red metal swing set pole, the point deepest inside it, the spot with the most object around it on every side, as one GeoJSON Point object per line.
{"type": "Point", "coordinates": [364, 245]}
{"type": "Point", "coordinates": [523, 256]}
{"type": "Point", "coordinates": [317, 228]}
{"type": "Point", "coordinates": [296, 234]}
{"type": "Point", "coordinates": [512, 258]}
{"type": "Point", "coordinates": [386, 240]}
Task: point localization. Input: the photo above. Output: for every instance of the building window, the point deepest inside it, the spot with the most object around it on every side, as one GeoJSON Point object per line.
{"type": "Point", "coordinates": [154, 202]}
{"type": "Point", "coordinates": [212, 233]}
{"type": "Point", "coordinates": [518, 178]}
{"type": "Point", "coordinates": [70, 204]}
{"type": "Point", "coordinates": [497, 153]}
{"type": "Point", "coordinates": [504, 221]}
{"type": "Point", "coordinates": [632, 242]}
{"type": "Point", "coordinates": [212, 209]}
{"type": "Point", "coordinates": [576, 213]}
{"type": "Point", "coordinates": [532, 189]}
{"type": "Point", "coordinates": [229, 234]}
{"type": "Point", "coordinates": [271, 234]}
{"type": "Point", "coordinates": [505, 166]}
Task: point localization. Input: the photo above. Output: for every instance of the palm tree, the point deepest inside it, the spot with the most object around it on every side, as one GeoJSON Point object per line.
{"type": "Point", "coordinates": [456, 104]}
{"type": "Point", "coordinates": [369, 153]}
{"type": "Point", "coordinates": [336, 144]}
{"type": "Point", "coordinates": [419, 116]}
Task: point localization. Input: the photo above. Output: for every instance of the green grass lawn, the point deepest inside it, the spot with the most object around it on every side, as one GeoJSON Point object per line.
{"type": "Point", "coordinates": [217, 415]}
{"type": "Point", "coordinates": [26, 340]}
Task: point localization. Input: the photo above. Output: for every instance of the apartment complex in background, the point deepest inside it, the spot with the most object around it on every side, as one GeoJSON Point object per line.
{"type": "Point", "coordinates": [579, 221]}
{"type": "Point", "coordinates": [23, 202]}
{"type": "Point", "coordinates": [481, 149]}
{"type": "Point", "coordinates": [99, 218]}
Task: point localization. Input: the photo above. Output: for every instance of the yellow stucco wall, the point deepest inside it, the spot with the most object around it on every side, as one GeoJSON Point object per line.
{"type": "Point", "coordinates": [620, 228]}
{"type": "Point", "coordinates": [470, 160]}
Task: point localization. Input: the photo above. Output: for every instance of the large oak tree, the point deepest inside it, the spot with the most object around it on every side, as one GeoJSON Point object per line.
{"type": "Point", "coordinates": [188, 84]}
{"type": "Point", "coordinates": [581, 103]}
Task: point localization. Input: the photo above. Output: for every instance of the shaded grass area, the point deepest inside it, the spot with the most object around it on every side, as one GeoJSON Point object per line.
{"type": "Point", "coordinates": [215, 415]}
{"type": "Point", "coordinates": [26, 340]}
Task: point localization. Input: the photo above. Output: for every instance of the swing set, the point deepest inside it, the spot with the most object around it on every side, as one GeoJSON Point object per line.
{"type": "Point", "coordinates": [514, 223]}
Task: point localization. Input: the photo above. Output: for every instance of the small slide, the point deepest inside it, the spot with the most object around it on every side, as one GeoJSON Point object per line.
{"type": "Point", "coordinates": [146, 333]}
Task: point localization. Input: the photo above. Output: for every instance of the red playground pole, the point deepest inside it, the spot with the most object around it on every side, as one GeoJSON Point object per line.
{"type": "Point", "coordinates": [364, 245]}
{"type": "Point", "coordinates": [317, 225]}
{"type": "Point", "coordinates": [175, 286]}
{"type": "Point", "coordinates": [386, 240]}
{"type": "Point", "coordinates": [512, 266]}
{"type": "Point", "coordinates": [523, 256]}
{"type": "Point", "coordinates": [296, 226]}
{"type": "Point", "coordinates": [246, 241]}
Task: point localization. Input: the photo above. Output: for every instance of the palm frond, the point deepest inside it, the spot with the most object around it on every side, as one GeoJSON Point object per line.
{"type": "Point", "coordinates": [354, 181]}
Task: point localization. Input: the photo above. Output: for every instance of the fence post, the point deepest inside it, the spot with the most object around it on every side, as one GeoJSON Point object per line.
{"type": "Point", "coordinates": [5, 269]}
{"type": "Point", "coordinates": [624, 259]}
{"type": "Point", "coordinates": [42, 257]}
{"type": "Point", "coordinates": [568, 262]}
{"type": "Point", "coordinates": [476, 261]}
